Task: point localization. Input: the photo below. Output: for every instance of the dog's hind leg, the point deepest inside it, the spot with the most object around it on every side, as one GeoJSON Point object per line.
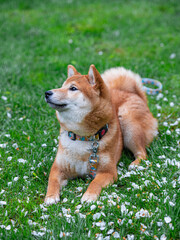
{"type": "Point", "coordinates": [134, 140]}
{"type": "Point", "coordinates": [137, 146]}
{"type": "Point", "coordinates": [138, 126]}
{"type": "Point", "coordinates": [140, 154]}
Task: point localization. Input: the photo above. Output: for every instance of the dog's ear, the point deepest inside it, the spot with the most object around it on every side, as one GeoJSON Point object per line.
{"type": "Point", "coordinates": [72, 71]}
{"type": "Point", "coordinates": [92, 74]}
{"type": "Point", "coordinates": [96, 80]}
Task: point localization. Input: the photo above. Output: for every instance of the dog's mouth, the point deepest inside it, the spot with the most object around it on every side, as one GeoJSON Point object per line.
{"type": "Point", "coordinates": [60, 105]}
{"type": "Point", "coordinates": [57, 106]}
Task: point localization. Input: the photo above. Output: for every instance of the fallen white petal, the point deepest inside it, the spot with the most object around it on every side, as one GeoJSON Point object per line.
{"type": "Point", "coordinates": [116, 235]}
{"type": "Point", "coordinates": [8, 227]}
{"type": "Point", "coordinates": [9, 158]}
{"type": "Point", "coordinates": [21, 160]}
{"type": "Point", "coordinates": [110, 231]}
{"type": "Point", "coordinates": [4, 98]}
{"type": "Point", "coordinates": [163, 237]}
{"type": "Point", "coordinates": [96, 216]}
{"type": "Point", "coordinates": [172, 56]}
{"type": "Point", "coordinates": [172, 204]}
{"type": "Point", "coordinates": [168, 132]}
{"type": "Point", "coordinates": [167, 219]}
{"type": "Point", "coordinates": [93, 207]}
{"type": "Point", "coordinates": [3, 145]}
{"type": "Point", "coordinates": [3, 203]}
{"type": "Point", "coordinates": [9, 115]}
{"type": "Point", "coordinates": [171, 104]}
{"type": "Point", "coordinates": [38, 234]}
{"type": "Point", "coordinates": [16, 179]}
{"type": "Point", "coordinates": [15, 145]}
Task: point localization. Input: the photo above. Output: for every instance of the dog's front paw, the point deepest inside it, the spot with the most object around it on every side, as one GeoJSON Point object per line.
{"type": "Point", "coordinates": [89, 197]}
{"type": "Point", "coordinates": [49, 200]}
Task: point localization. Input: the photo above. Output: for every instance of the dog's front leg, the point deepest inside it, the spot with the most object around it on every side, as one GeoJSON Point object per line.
{"type": "Point", "coordinates": [56, 181]}
{"type": "Point", "coordinates": [100, 181]}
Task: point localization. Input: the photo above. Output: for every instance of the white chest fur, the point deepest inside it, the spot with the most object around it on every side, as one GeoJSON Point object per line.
{"type": "Point", "coordinates": [74, 154]}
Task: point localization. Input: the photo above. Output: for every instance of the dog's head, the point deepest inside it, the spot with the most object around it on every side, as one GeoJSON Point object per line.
{"type": "Point", "coordinates": [79, 96]}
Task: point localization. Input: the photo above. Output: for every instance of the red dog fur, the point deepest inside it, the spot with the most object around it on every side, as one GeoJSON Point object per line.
{"type": "Point", "coordinates": [84, 104]}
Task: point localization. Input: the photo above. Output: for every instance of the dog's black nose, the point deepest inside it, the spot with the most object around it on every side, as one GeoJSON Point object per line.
{"type": "Point", "coordinates": [48, 94]}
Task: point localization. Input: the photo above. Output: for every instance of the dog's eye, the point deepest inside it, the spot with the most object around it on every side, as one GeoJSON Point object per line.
{"type": "Point", "coordinates": [72, 88]}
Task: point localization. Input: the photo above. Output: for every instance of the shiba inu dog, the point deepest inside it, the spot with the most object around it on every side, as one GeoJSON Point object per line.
{"type": "Point", "coordinates": [98, 115]}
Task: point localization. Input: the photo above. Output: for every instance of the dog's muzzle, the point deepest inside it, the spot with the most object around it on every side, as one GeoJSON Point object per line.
{"type": "Point", "coordinates": [52, 104]}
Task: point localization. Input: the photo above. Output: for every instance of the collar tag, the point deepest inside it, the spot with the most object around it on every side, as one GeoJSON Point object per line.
{"type": "Point", "coordinates": [94, 159]}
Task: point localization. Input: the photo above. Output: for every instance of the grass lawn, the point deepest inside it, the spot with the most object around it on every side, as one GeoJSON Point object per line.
{"type": "Point", "coordinates": [38, 39]}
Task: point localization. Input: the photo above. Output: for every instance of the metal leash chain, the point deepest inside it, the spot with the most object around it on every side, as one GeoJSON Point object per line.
{"type": "Point", "coordinates": [94, 159]}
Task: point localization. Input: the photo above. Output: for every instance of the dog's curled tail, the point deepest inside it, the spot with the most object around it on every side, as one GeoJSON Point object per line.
{"type": "Point", "coordinates": [124, 80]}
